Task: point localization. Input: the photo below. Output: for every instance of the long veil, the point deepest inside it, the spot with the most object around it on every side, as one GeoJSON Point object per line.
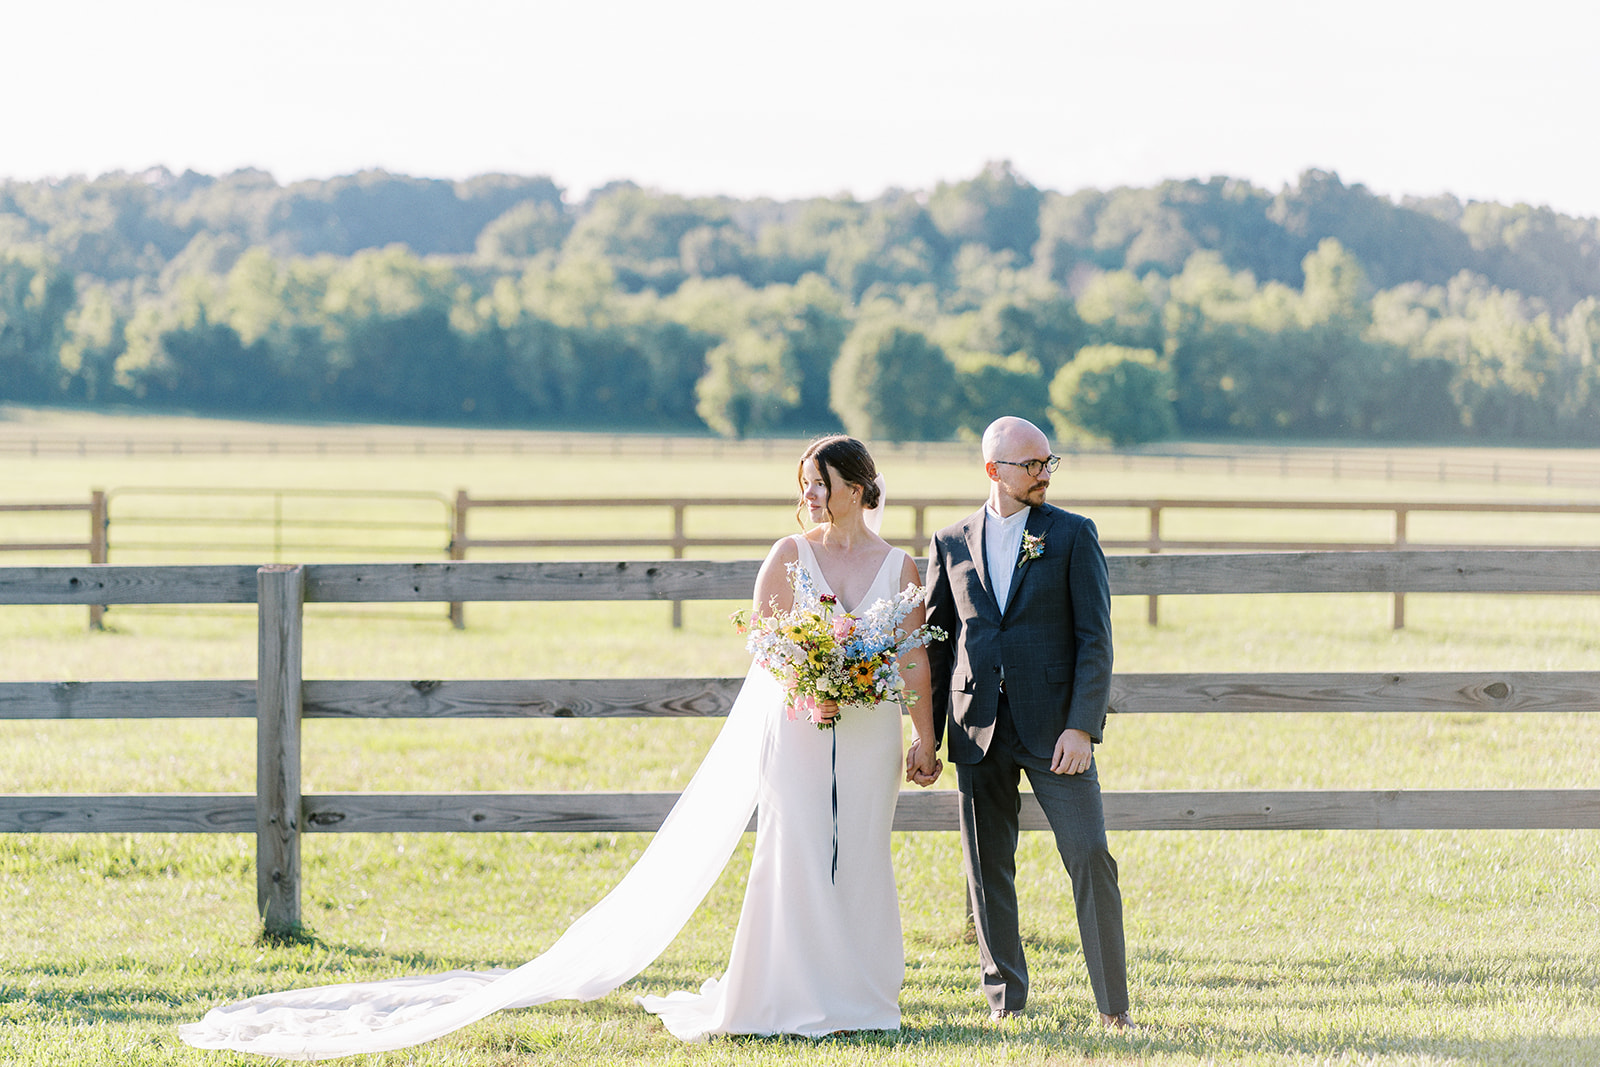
{"type": "Point", "coordinates": [613, 941]}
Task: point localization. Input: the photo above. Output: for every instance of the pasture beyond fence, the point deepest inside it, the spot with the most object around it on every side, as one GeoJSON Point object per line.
{"type": "Point", "coordinates": [279, 699]}
{"type": "Point", "coordinates": [1575, 469]}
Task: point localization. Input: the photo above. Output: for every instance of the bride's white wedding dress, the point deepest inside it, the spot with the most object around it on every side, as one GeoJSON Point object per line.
{"type": "Point", "coordinates": [812, 954]}
{"type": "Point", "coordinates": [815, 953]}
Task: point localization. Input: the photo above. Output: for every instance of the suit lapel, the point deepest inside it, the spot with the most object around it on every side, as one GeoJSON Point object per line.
{"type": "Point", "coordinates": [1039, 521]}
{"type": "Point", "coordinates": [980, 558]}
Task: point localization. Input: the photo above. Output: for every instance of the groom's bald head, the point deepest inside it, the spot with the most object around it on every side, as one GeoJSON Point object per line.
{"type": "Point", "coordinates": [1010, 434]}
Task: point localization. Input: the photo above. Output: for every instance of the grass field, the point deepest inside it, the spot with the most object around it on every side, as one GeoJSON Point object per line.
{"type": "Point", "coordinates": [1326, 947]}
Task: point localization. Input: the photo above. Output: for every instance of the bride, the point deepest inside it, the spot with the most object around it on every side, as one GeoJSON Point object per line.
{"type": "Point", "coordinates": [817, 951]}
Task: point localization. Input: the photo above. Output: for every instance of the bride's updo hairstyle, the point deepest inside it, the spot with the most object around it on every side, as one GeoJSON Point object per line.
{"type": "Point", "coordinates": [847, 456]}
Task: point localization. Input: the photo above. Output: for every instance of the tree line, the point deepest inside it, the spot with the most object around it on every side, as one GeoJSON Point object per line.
{"type": "Point", "coordinates": [1194, 308]}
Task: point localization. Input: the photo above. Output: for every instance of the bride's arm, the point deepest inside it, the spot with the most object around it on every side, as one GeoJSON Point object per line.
{"type": "Point", "coordinates": [772, 591]}
{"type": "Point", "coordinates": [922, 761]}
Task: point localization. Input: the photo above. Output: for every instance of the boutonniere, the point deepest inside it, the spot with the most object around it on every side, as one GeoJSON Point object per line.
{"type": "Point", "coordinates": [1032, 548]}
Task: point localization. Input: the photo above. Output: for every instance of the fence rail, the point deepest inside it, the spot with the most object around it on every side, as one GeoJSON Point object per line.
{"type": "Point", "coordinates": [280, 699]}
{"type": "Point", "coordinates": [678, 543]}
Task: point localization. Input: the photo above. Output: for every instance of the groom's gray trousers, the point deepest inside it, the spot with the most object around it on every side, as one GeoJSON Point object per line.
{"type": "Point", "coordinates": [1071, 802]}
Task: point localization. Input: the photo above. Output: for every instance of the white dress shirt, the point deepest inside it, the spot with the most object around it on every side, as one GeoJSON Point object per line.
{"type": "Point", "coordinates": [1002, 545]}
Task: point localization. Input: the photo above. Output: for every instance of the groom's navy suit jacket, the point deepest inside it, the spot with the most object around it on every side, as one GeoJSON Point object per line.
{"type": "Point", "coordinates": [1053, 640]}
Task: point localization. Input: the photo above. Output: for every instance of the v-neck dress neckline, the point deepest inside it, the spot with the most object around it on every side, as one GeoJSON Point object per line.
{"type": "Point", "coordinates": [815, 567]}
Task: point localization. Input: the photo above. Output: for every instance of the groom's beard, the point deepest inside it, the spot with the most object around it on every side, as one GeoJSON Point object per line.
{"type": "Point", "coordinates": [1033, 496]}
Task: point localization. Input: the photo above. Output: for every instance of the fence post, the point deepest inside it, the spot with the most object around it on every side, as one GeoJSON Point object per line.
{"type": "Point", "coordinates": [677, 553]}
{"type": "Point", "coordinates": [97, 549]}
{"type": "Point", "coordinates": [1151, 614]}
{"type": "Point", "coordinates": [1399, 542]}
{"type": "Point", "coordinates": [280, 602]}
{"type": "Point", "coordinates": [458, 551]}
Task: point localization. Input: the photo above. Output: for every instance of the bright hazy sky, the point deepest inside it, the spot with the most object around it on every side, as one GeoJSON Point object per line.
{"type": "Point", "coordinates": [1486, 101]}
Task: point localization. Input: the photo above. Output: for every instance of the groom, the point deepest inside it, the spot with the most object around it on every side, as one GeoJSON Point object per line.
{"type": "Point", "coordinates": [1020, 586]}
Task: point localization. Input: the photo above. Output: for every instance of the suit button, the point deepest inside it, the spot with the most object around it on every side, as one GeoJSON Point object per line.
{"type": "Point", "coordinates": [996, 669]}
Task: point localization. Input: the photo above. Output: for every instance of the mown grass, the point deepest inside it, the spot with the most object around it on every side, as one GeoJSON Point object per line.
{"type": "Point", "coordinates": [1398, 947]}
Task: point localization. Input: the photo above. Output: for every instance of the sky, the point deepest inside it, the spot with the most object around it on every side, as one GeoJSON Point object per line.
{"type": "Point", "coordinates": [738, 97]}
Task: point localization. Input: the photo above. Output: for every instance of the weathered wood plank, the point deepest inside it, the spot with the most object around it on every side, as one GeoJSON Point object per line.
{"type": "Point", "coordinates": [486, 812]}
{"type": "Point", "coordinates": [1310, 809]}
{"type": "Point", "coordinates": [187, 813]}
{"type": "Point", "coordinates": [1131, 694]}
{"type": "Point", "coordinates": [919, 810]}
{"type": "Point", "coordinates": [355, 583]}
{"type": "Point", "coordinates": [128, 700]}
{"type": "Point", "coordinates": [1489, 571]}
{"type": "Point", "coordinates": [1387, 809]}
{"type": "Point", "coordinates": [113, 584]}
{"type": "Point", "coordinates": [1441, 691]}
{"type": "Point", "coordinates": [1457, 571]}
{"type": "Point", "coordinates": [280, 629]}
{"type": "Point", "coordinates": [543, 698]}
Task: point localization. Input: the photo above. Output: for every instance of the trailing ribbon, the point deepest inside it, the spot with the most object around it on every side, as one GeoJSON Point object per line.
{"type": "Point", "coordinates": [834, 874]}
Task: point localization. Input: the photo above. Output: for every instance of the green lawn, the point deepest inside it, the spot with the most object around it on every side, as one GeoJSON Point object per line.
{"type": "Point", "coordinates": [1293, 947]}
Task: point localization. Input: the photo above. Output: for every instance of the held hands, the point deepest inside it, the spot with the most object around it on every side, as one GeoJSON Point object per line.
{"type": "Point", "coordinates": [1074, 751]}
{"type": "Point", "coordinates": [923, 766]}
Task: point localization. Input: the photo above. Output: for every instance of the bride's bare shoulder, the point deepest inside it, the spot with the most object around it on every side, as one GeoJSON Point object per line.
{"type": "Point", "coordinates": [908, 570]}
{"type": "Point", "coordinates": [783, 550]}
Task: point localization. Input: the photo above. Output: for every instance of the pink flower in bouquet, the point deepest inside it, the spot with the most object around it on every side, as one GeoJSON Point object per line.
{"type": "Point", "coordinates": [843, 627]}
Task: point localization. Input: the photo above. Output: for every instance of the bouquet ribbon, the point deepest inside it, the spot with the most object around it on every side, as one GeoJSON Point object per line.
{"type": "Point", "coordinates": [833, 875]}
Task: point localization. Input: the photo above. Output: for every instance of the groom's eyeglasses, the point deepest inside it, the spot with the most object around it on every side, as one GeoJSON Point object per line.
{"type": "Point", "coordinates": [1035, 467]}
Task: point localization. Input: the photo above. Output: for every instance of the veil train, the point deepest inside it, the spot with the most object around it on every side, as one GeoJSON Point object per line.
{"type": "Point", "coordinates": [616, 939]}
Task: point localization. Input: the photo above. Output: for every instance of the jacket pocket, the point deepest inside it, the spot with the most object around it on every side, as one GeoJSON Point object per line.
{"type": "Point", "coordinates": [1058, 674]}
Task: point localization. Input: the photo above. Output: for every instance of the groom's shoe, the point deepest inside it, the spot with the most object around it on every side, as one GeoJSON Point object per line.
{"type": "Point", "coordinates": [1120, 1022]}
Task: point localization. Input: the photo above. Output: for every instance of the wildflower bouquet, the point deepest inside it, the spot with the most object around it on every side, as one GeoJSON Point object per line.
{"type": "Point", "coordinates": [820, 653]}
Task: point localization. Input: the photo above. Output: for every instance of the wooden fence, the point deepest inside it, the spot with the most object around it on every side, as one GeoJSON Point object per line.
{"type": "Point", "coordinates": [280, 699]}
{"type": "Point", "coordinates": [446, 527]}
{"type": "Point", "coordinates": [679, 542]}
{"type": "Point", "coordinates": [95, 545]}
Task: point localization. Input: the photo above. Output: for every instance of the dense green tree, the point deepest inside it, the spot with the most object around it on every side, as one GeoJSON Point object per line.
{"type": "Point", "coordinates": [1578, 392]}
{"type": "Point", "coordinates": [749, 385]}
{"type": "Point", "coordinates": [1066, 236]}
{"type": "Point", "coordinates": [895, 244]}
{"type": "Point", "coordinates": [1535, 251]}
{"type": "Point", "coordinates": [1119, 309]}
{"type": "Point", "coordinates": [640, 234]}
{"type": "Point", "coordinates": [1116, 394]}
{"type": "Point", "coordinates": [773, 352]}
{"type": "Point", "coordinates": [36, 295]}
{"type": "Point", "coordinates": [998, 209]}
{"type": "Point", "coordinates": [1395, 243]}
{"type": "Point", "coordinates": [94, 340]}
{"type": "Point", "coordinates": [992, 386]}
{"type": "Point", "coordinates": [892, 383]}
{"type": "Point", "coordinates": [525, 230]}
